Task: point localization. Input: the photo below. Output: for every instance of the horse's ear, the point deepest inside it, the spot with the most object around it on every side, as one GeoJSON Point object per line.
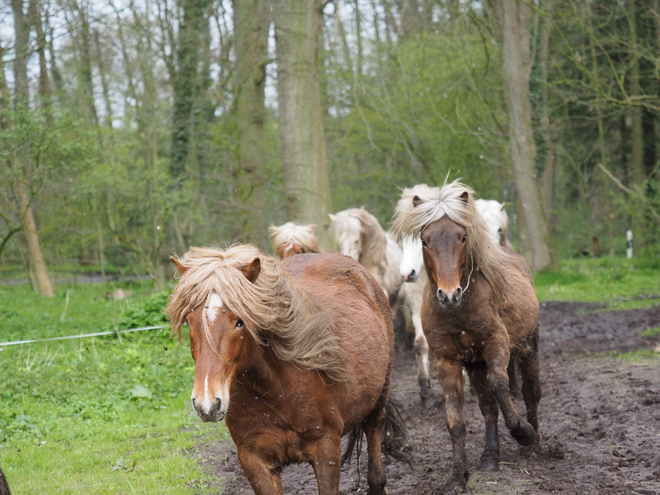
{"type": "Point", "coordinates": [503, 207]}
{"type": "Point", "coordinates": [417, 201]}
{"type": "Point", "coordinates": [251, 271]}
{"type": "Point", "coordinates": [312, 227]}
{"type": "Point", "coordinates": [332, 217]}
{"type": "Point", "coordinates": [464, 197]}
{"type": "Point", "coordinates": [180, 268]}
{"type": "Point", "coordinates": [272, 229]}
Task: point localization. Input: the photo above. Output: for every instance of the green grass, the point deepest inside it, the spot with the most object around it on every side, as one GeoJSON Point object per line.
{"type": "Point", "coordinates": [639, 356]}
{"type": "Point", "coordinates": [617, 283]}
{"type": "Point", "coordinates": [650, 333]}
{"type": "Point", "coordinates": [101, 415]}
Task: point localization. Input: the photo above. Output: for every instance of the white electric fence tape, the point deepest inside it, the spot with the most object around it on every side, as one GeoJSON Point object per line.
{"type": "Point", "coordinates": [81, 336]}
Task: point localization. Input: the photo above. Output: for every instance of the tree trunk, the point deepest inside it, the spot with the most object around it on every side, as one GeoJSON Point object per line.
{"type": "Point", "coordinates": [637, 142]}
{"type": "Point", "coordinates": [306, 180]}
{"type": "Point", "coordinates": [251, 22]}
{"type": "Point", "coordinates": [37, 262]}
{"type": "Point", "coordinates": [186, 82]}
{"type": "Point", "coordinates": [517, 65]}
{"type": "Point", "coordinates": [547, 182]}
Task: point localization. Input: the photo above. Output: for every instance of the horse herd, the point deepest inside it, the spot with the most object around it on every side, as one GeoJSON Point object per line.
{"type": "Point", "coordinates": [296, 353]}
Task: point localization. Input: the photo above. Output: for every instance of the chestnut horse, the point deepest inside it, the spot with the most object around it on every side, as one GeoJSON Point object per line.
{"type": "Point", "coordinates": [479, 310]}
{"type": "Point", "coordinates": [303, 348]}
{"type": "Point", "coordinates": [290, 239]}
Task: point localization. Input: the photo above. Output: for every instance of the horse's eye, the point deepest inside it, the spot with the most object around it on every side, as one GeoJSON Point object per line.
{"type": "Point", "coordinates": [424, 244]}
{"type": "Point", "coordinates": [464, 239]}
{"type": "Point", "coordinates": [356, 241]}
{"type": "Point", "coordinates": [499, 231]}
{"type": "Point", "coordinates": [239, 323]}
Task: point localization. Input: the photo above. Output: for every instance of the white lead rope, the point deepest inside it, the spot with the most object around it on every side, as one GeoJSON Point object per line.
{"type": "Point", "coordinates": [81, 335]}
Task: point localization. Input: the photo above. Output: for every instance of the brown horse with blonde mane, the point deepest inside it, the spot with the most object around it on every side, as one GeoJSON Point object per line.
{"type": "Point", "coordinates": [303, 348]}
{"type": "Point", "coordinates": [291, 239]}
{"type": "Point", "coordinates": [479, 311]}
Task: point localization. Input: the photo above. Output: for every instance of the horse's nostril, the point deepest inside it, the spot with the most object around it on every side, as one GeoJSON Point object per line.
{"type": "Point", "coordinates": [412, 274]}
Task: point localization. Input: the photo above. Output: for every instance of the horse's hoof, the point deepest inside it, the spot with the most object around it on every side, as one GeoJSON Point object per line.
{"type": "Point", "coordinates": [525, 434]}
{"type": "Point", "coordinates": [381, 491]}
{"type": "Point", "coordinates": [455, 484]}
{"type": "Point", "coordinates": [424, 388]}
{"type": "Point", "coordinates": [489, 463]}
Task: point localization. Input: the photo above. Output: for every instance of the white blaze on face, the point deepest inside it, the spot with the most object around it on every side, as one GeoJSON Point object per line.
{"type": "Point", "coordinates": [412, 257]}
{"type": "Point", "coordinates": [215, 303]}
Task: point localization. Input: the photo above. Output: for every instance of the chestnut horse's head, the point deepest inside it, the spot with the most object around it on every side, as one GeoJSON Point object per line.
{"type": "Point", "coordinates": [454, 238]}
{"type": "Point", "coordinates": [217, 344]}
{"type": "Point", "coordinates": [444, 246]}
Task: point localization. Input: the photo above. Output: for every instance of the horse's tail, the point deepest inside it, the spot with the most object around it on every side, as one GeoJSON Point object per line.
{"type": "Point", "coordinates": [4, 487]}
{"type": "Point", "coordinates": [394, 442]}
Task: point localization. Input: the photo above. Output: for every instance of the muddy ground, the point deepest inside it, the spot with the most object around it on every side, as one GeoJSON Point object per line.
{"type": "Point", "coordinates": [599, 420]}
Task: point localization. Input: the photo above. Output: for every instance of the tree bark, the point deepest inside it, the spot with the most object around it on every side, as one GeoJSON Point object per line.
{"type": "Point", "coordinates": [37, 261]}
{"type": "Point", "coordinates": [547, 183]}
{"type": "Point", "coordinates": [637, 142]}
{"type": "Point", "coordinates": [517, 66]}
{"type": "Point", "coordinates": [186, 82]}
{"type": "Point", "coordinates": [306, 181]}
{"type": "Point", "coordinates": [251, 22]}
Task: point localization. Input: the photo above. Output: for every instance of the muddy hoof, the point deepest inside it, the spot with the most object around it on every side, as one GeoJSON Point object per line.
{"type": "Point", "coordinates": [424, 388]}
{"type": "Point", "coordinates": [525, 434]}
{"type": "Point", "coordinates": [379, 491]}
{"type": "Point", "coordinates": [455, 484]}
{"type": "Point", "coordinates": [489, 462]}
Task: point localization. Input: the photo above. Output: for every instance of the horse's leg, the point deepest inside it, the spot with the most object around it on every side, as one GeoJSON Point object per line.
{"type": "Point", "coordinates": [512, 371]}
{"type": "Point", "coordinates": [421, 347]}
{"type": "Point", "coordinates": [488, 405]}
{"type": "Point", "coordinates": [531, 389]}
{"type": "Point", "coordinates": [496, 354]}
{"type": "Point", "coordinates": [450, 375]}
{"type": "Point", "coordinates": [264, 478]}
{"type": "Point", "coordinates": [327, 464]}
{"type": "Point", "coordinates": [373, 428]}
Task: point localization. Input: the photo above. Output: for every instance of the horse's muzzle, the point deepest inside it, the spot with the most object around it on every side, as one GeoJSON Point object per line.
{"type": "Point", "coordinates": [411, 277]}
{"type": "Point", "coordinates": [450, 300]}
{"type": "Point", "coordinates": [214, 415]}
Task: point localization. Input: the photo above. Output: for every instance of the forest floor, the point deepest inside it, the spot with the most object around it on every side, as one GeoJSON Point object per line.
{"type": "Point", "coordinates": [599, 418]}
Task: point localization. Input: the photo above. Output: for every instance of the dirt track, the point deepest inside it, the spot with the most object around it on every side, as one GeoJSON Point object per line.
{"type": "Point", "coordinates": [599, 421]}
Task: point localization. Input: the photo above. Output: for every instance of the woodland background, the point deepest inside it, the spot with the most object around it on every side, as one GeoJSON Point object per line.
{"type": "Point", "coordinates": [130, 130]}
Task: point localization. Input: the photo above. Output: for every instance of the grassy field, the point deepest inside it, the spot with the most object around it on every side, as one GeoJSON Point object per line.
{"type": "Point", "coordinates": [111, 414]}
{"type": "Point", "coordinates": [617, 283]}
{"type": "Point", "coordinates": [96, 415]}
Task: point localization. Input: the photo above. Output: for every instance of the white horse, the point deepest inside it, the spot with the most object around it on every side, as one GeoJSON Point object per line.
{"type": "Point", "coordinates": [494, 214]}
{"type": "Point", "coordinates": [413, 273]}
{"type": "Point", "coordinates": [359, 235]}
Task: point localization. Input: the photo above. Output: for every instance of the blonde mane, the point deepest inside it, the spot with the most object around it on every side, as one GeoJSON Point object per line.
{"type": "Point", "coordinates": [380, 254]}
{"type": "Point", "coordinates": [422, 205]}
{"type": "Point", "coordinates": [276, 309]}
{"type": "Point", "coordinates": [291, 233]}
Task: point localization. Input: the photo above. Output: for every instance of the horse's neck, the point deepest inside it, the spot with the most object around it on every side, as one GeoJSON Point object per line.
{"type": "Point", "coordinates": [259, 373]}
{"type": "Point", "coordinates": [374, 254]}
